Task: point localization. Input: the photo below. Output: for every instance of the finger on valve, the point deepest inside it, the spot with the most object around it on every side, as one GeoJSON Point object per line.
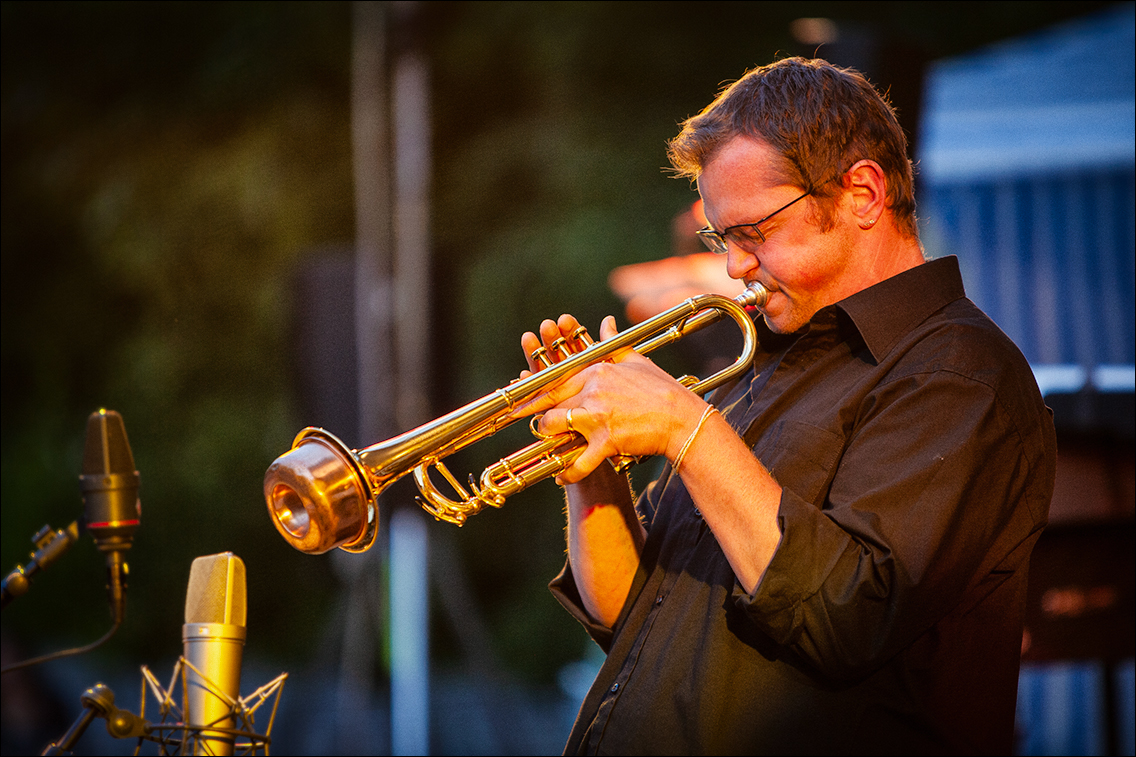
{"type": "Point", "coordinates": [566, 339]}
{"type": "Point", "coordinates": [530, 342]}
{"type": "Point", "coordinates": [558, 341]}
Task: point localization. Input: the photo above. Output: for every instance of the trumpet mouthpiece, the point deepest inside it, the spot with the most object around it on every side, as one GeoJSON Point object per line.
{"type": "Point", "coordinates": [755, 295]}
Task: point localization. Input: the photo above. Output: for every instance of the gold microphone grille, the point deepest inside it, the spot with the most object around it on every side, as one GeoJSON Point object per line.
{"type": "Point", "coordinates": [216, 592]}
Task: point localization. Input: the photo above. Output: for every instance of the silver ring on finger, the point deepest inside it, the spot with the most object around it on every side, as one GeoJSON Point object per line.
{"type": "Point", "coordinates": [568, 418]}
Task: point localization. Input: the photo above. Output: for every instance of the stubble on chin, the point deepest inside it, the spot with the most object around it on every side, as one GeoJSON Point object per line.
{"type": "Point", "coordinates": [787, 321]}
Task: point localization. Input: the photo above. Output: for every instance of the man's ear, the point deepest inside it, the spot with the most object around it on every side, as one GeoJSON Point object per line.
{"type": "Point", "coordinates": [867, 192]}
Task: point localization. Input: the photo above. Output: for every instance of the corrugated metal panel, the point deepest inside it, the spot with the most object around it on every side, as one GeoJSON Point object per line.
{"type": "Point", "coordinates": [1050, 259]}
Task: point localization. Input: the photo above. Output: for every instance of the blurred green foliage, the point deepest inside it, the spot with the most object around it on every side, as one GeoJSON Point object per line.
{"type": "Point", "coordinates": [166, 168]}
{"type": "Point", "coordinates": [164, 165]}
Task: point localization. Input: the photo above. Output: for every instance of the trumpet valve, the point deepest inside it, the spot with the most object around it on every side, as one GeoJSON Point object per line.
{"type": "Point", "coordinates": [582, 338]}
{"type": "Point", "coordinates": [560, 348]}
{"type": "Point", "coordinates": [540, 356]}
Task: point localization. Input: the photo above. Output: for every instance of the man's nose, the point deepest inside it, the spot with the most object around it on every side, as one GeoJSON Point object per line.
{"type": "Point", "coordinates": [738, 262]}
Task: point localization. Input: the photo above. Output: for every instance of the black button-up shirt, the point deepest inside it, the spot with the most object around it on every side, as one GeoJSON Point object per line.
{"type": "Point", "coordinates": [917, 461]}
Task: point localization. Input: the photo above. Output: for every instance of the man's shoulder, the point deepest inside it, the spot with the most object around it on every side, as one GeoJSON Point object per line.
{"type": "Point", "coordinates": [961, 337]}
{"type": "Point", "coordinates": [962, 343]}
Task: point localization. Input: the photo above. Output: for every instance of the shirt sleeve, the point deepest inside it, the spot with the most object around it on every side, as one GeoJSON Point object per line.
{"type": "Point", "coordinates": [563, 588]}
{"type": "Point", "coordinates": [928, 499]}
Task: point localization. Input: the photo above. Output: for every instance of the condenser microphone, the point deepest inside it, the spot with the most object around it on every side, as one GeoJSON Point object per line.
{"type": "Point", "coordinates": [111, 508]}
{"type": "Point", "coordinates": [214, 638]}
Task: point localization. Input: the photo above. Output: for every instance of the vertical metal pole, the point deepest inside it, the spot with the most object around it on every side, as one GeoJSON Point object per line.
{"type": "Point", "coordinates": [392, 329]}
{"type": "Point", "coordinates": [357, 728]}
{"type": "Point", "coordinates": [410, 628]}
{"type": "Point", "coordinates": [412, 242]}
{"type": "Point", "coordinates": [373, 306]}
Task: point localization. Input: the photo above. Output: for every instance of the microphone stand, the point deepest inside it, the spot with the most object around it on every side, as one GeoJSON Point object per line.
{"type": "Point", "coordinates": [178, 736]}
{"type": "Point", "coordinates": [98, 701]}
{"type": "Point", "coordinates": [49, 546]}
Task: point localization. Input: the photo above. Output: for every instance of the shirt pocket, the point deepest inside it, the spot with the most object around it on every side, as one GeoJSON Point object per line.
{"type": "Point", "coordinates": [801, 457]}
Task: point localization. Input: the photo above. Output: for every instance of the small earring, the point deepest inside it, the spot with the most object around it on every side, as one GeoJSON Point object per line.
{"type": "Point", "coordinates": [870, 223]}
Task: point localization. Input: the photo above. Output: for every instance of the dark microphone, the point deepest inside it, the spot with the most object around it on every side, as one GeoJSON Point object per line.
{"type": "Point", "coordinates": [111, 508]}
{"type": "Point", "coordinates": [214, 638]}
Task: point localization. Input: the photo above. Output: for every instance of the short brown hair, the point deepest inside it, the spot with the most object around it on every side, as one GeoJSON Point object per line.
{"type": "Point", "coordinates": [820, 118]}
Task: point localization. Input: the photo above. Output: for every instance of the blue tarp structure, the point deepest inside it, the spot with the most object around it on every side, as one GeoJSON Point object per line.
{"type": "Point", "coordinates": [1026, 164]}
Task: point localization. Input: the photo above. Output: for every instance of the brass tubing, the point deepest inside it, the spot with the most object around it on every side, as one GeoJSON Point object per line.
{"type": "Point", "coordinates": [322, 495]}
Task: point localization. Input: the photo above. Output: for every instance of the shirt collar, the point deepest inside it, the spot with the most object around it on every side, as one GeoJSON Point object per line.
{"type": "Point", "coordinates": [886, 311]}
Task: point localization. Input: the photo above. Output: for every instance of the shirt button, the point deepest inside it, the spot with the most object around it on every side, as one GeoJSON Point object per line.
{"type": "Point", "coordinates": [614, 688]}
{"type": "Point", "coordinates": [658, 600]}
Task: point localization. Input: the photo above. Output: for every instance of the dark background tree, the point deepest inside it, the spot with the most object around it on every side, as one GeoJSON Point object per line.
{"type": "Point", "coordinates": [169, 167]}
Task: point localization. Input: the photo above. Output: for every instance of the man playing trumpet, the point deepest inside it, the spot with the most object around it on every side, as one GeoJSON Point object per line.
{"type": "Point", "coordinates": [835, 557]}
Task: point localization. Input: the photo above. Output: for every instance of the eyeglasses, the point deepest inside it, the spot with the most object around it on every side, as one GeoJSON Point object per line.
{"type": "Point", "coordinates": [747, 236]}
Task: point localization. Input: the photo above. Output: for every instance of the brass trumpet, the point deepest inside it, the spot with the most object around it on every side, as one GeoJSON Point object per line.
{"type": "Point", "coordinates": [322, 495]}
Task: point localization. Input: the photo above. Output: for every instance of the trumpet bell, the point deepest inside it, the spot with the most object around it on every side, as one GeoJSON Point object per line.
{"type": "Point", "coordinates": [319, 498]}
